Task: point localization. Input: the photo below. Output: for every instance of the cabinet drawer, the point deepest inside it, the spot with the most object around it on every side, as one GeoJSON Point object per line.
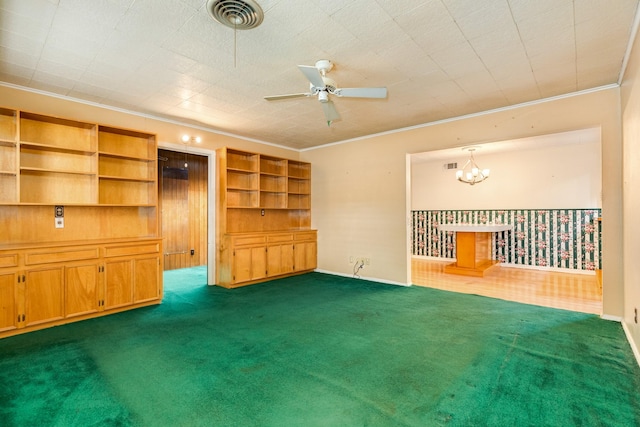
{"type": "Point", "coordinates": [248, 240]}
{"type": "Point", "coordinates": [8, 260]}
{"type": "Point", "coordinates": [58, 255]}
{"type": "Point", "coordinates": [280, 238]}
{"type": "Point", "coordinates": [306, 235]}
{"type": "Point", "coordinates": [144, 248]}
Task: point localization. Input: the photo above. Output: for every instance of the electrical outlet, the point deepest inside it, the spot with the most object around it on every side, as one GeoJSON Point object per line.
{"type": "Point", "coordinates": [193, 251]}
{"type": "Point", "coordinates": [367, 261]}
{"type": "Point", "coordinates": [351, 259]}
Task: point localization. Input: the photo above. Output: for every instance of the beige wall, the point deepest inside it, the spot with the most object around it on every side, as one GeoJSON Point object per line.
{"type": "Point", "coordinates": [630, 95]}
{"type": "Point", "coordinates": [359, 196]}
{"type": "Point", "coordinates": [559, 171]}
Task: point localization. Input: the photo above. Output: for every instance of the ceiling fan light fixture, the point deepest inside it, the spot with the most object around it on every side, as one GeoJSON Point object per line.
{"type": "Point", "coordinates": [237, 14]}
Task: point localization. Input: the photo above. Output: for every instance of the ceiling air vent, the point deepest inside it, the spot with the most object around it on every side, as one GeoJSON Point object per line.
{"type": "Point", "coordinates": [448, 166]}
{"type": "Point", "coordinates": [237, 14]}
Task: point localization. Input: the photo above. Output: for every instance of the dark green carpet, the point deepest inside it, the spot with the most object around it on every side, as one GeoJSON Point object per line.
{"type": "Point", "coordinates": [320, 350]}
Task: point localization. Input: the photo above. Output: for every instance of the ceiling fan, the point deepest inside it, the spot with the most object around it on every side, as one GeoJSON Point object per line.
{"type": "Point", "coordinates": [321, 85]}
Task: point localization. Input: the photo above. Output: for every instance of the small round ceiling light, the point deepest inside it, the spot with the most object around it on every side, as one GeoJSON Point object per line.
{"type": "Point", "coordinates": [237, 14]}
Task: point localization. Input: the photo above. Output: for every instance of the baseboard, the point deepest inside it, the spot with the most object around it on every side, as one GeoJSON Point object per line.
{"type": "Point", "coordinates": [433, 258]}
{"type": "Point", "coordinates": [632, 343]}
{"type": "Point", "coordinates": [612, 318]}
{"type": "Point", "coordinates": [509, 265]}
{"type": "Point", "coordinates": [554, 269]}
{"type": "Point", "coordinates": [371, 279]}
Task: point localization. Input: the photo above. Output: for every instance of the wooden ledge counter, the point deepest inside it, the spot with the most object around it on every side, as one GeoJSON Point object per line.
{"type": "Point", "coordinates": [473, 247]}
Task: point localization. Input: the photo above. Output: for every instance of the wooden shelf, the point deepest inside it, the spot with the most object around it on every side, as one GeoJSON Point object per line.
{"type": "Point", "coordinates": [126, 143]}
{"type": "Point", "coordinates": [35, 146]}
{"type": "Point", "coordinates": [126, 192]}
{"type": "Point", "coordinates": [7, 143]}
{"type": "Point", "coordinates": [273, 166]}
{"type": "Point", "coordinates": [122, 178]}
{"type": "Point", "coordinates": [242, 180]}
{"type": "Point", "coordinates": [41, 186]}
{"type": "Point", "coordinates": [273, 183]}
{"type": "Point", "coordinates": [299, 170]}
{"type": "Point", "coordinates": [51, 132]}
{"type": "Point", "coordinates": [123, 156]}
{"type": "Point", "coordinates": [242, 161]}
{"type": "Point", "coordinates": [57, 171]}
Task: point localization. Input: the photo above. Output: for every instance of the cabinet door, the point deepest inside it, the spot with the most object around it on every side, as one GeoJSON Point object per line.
{"type": "Point", "coordinates": [8, 303]}
{"type": "Point", "coordinates": [280, 259]}
{"type": "Point", "coordinates": [249, 264]}
{"type": "Point", "coordinates": [44, 295]}
{"type": "Point", "coordinates": [146, 279]}
{"type": "Point", "coordinates": [81, 290]}
{"type": "Point", "coordinates": [118, 284]}
{"type": "Point", "coordinates": [305, 256]}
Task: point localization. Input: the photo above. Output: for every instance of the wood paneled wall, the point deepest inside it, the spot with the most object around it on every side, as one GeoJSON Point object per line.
{"type": "Point", "coordinates": [197, 210]}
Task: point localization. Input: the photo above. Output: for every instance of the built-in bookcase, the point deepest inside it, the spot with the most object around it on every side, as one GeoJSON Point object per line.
{"type": "Point", "coordinates": [79, 221]}
{"type": "Point", "coordinates": [48, 160]}
{"type": "Point", "coordinates": [259, 198]}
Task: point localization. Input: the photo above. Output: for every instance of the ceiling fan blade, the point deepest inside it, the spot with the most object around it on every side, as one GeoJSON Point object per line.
{"type": "Point", "coordinates": [313, 75]}
{"type": "Point", "coordinates": [362, 92]}
{"type": "Point", "coordinates": [288, 96]}
{"type": "Point", "coordinates": [330, 112]}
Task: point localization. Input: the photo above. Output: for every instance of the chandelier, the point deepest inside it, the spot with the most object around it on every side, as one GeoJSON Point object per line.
{"type": "Point", "coordinates": [470, 172]}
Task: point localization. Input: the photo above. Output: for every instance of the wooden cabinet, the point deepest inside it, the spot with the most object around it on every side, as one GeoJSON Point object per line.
{"type": "Point", "coordinates": [43, 295]}
{"type": "Point", "coordinates": [47, 285]}
{"type": "Point", "coordinates": [133, 274]}
{"type": "Point", "coordinates": [255, 257]}
{"type": "Point", "coordinates": [263, 209]}
{"type": "Point", "coordinates": [146, 279]}
{"type": "Point", "coordinates": [81, 289]}
{"type": "Point", "coordinates": [306, 251]}
{"type": "Point", "coordinates": [249, 264]}
{"type": "Point", "coordinates": [8, 301]}
{"type": "Point", "coordinates": [280, 259]}
{"type": "Point", "coordinates": [118, 284]}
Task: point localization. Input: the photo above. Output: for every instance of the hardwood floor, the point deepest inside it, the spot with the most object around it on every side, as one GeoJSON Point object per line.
{"type": "Point", "coordinates": [576, 292]}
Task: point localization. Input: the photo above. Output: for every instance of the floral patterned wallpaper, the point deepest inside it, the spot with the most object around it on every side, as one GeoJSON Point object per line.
{"type": "Point", "coordinates": [557, 238]}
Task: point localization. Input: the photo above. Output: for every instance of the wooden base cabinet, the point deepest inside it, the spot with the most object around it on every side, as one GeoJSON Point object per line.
{"type": "Point", "coordinates": [247, 258]}
{"type": "Point", "coordinates": [49, 285]}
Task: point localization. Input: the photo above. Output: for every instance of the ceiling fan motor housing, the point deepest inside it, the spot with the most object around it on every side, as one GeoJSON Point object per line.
{"type": "Point", "coordinates": [323, 96]}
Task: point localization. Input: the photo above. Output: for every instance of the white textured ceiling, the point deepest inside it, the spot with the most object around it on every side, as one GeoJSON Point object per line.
{"type": "Point", "coordinates": [438, 58]}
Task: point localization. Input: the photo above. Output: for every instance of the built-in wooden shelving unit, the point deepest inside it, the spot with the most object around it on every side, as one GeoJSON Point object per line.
{"type": "Point", "coordinates": [263, 217]}
{"type": "Point", "coordinates": [104, 254]}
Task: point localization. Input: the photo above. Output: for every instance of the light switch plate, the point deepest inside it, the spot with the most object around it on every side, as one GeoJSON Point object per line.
{"type": "Point", "coordinates": [59, 222]}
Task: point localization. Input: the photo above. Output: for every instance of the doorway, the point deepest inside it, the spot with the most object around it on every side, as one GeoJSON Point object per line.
{"type": "Point", "coordinates": [550, 256]}
{"type": "Point", "coordinates": [183, 196]}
